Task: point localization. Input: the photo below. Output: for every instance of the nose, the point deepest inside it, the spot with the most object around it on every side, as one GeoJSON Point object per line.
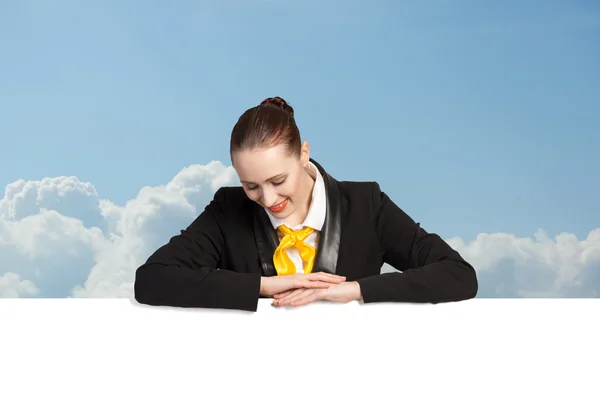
{"type": "Point", "coordinates": [269, 197]}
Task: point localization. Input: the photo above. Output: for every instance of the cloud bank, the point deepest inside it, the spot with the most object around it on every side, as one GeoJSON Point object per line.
{"type": "Point", "coordinates": [58, 238]}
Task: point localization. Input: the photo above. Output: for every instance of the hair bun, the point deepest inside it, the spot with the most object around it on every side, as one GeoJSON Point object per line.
{"type": "Point", "coordinates": [278, 102]}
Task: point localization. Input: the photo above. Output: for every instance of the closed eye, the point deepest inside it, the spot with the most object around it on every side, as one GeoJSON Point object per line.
{"type": "Point", "coordinates": [254, 187]}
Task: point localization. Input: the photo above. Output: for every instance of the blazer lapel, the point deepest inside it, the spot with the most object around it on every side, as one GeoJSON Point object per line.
{"type": "Point", "coordinates": [266, 240]}
{"type": "Point", "coordinates": [329, 238]}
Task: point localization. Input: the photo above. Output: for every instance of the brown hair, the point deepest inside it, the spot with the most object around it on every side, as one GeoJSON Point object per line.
{"type": "Point", "coordinates": [269, 124]}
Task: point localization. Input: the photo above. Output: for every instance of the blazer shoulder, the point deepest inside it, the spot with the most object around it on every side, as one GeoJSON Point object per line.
{"type": "Point", "coordinates": [367, 194]}
{"type": "Point", "coordinates": [228, 200]}
{"type": "Point", "coordinates": [360, 189]}
{"type": "Point", "coordinates": [354, 187]}
{"type": "Point", "coordinates": [230, 195]}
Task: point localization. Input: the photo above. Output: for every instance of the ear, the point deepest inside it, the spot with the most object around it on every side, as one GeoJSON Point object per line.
{"type": "Point", "coordinates": [304, 153]}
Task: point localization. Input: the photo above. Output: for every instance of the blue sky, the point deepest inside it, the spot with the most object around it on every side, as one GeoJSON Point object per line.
{"type": "Point", "coordinates": [474, 116]}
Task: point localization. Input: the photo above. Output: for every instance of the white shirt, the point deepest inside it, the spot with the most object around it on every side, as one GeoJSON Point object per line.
{"type": "Point", "coordinates": [314, 219]}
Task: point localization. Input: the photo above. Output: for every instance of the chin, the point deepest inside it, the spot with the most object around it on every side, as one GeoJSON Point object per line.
{"type": "Point", "coordinates": [279, 216]}
{"type": "Point", "coordinates": [283, 214]}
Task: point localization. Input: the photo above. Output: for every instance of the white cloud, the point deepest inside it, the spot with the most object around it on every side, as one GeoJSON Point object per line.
{"type": "Point", "coordinates": [538, 267]}
{"type": "Point", "coordinates": [66, 254]}
{"type": "Point", "coordinates": [12, 286]}
{"type": "Point", "coordinates": [65, 194]}
{"type": "Point", "coordinates": [59, 238]}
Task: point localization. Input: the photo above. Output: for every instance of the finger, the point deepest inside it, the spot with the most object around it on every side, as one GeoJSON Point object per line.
{"type": "Point", "coordinates": [285, 293]}
{"type": "Point", "coordinates": [297, 296]}
{"type": "Point", "coordinates": [289, 295]}
{"type": "Point", "coordinates": [277, 297]}
{"type": "Point", "coordinates": [296, 292]}
{"type": "Point", "coordinates": [333, 275]}
{"type": "Point", "coordinates": [307, 283]}
{"type": "Point", "coordinates": [301, 296]}
{"type": "Point", "coordinates": [305, 300]}
{"type": "Point", "coordinates": [325, 277]}
{"type": "Point", "coordinates": [304, 282]}
{"type": "Point", "coordinates": [330, 276]}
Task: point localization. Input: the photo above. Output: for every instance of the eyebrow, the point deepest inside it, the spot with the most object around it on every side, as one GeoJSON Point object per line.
{"type": "Point", "coordinates": [271, 178]}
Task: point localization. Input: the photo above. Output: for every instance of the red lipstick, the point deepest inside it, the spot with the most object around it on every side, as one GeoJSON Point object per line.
{"type": "Point", "coordinates": [279, 207]}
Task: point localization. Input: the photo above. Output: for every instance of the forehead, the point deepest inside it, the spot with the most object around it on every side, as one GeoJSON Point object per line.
{"type": "Point", "coordinates": [261, 164]}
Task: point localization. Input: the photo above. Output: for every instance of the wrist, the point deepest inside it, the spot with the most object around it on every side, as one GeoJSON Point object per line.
{"type": "Point", "coordinates": [263, 284]}
{"type": "Point", "coordinates": [357, 292]}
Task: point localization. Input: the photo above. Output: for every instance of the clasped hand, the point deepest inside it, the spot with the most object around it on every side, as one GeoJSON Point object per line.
{"type": "Point", "coordinates": [300, 289]}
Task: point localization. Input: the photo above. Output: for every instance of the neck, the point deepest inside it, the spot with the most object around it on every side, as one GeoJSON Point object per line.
{"type": "Point", "coordinates": [302, 212]}
{"type": "Point", "coordinates": [310, 185]}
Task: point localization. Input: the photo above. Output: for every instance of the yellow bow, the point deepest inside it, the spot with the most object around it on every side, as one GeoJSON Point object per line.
{"type": "Point", "coordinates": [292, 238]}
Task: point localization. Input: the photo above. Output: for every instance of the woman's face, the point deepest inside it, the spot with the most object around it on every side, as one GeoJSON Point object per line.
{"type": "Point", "coordinates": [276, 181]}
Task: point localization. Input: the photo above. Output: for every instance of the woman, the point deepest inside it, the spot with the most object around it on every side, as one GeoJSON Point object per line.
{"type": "Point", "coordinates": [293, 233]}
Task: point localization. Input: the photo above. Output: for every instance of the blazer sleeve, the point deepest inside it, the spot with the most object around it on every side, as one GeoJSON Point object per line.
{"type": "Point", "coordinates": [185, 271]}
{"type": "Point", "coordinates": [432, 271]}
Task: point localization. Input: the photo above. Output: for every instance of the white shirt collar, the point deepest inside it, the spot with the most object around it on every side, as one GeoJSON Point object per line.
{"type": "Point", "coordinates": [318, 206]}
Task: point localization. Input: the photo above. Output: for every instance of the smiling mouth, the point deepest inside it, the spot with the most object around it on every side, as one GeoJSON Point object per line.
{"type": "Point", "coordinates": [279, 207]}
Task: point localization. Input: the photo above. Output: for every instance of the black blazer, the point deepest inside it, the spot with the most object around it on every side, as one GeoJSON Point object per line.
{"type": "Point", "coordinates": [218, 261]}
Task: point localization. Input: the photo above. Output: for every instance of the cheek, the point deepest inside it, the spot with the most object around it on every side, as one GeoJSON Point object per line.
{"type": "Point", "coordinates": [253, 195]}
{"type": "Point", "coordinates": [291, 189]}
{"type": "Point", "coordinates": [257, 195]}
{"type": "Point", "coordinates": [298, 185]}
